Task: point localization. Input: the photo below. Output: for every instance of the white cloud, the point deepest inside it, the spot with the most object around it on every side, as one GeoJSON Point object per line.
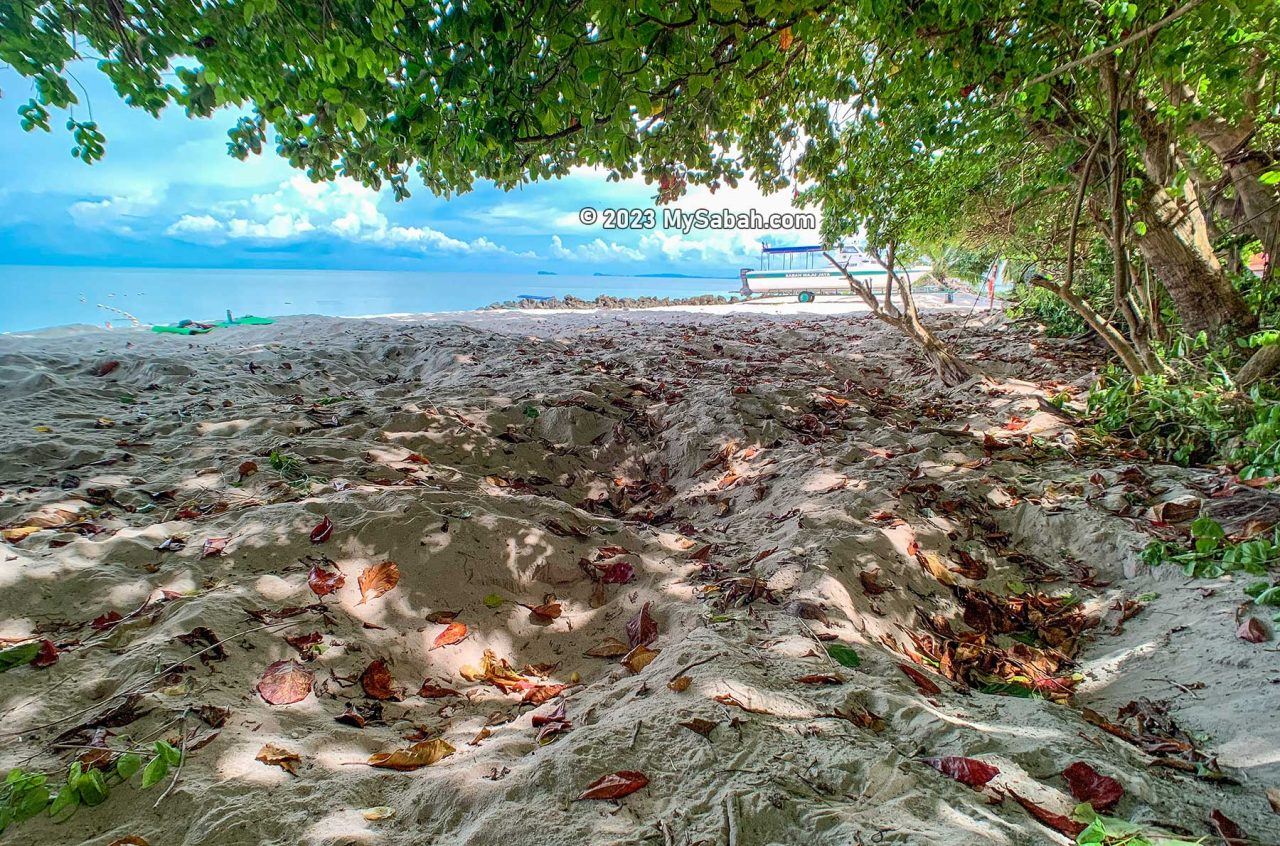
{"type": "Point", "coordinates": [597, 250]}
{"type": "Point", "coordinates": [299, 207]}
{"type": "Point", "coordinates": [200, 228]}
{"type": "Point", "coordinates": [115, 213]}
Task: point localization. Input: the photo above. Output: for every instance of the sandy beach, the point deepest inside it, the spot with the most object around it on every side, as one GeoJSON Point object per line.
{"type": "Point", "coordinates": [657, 528]}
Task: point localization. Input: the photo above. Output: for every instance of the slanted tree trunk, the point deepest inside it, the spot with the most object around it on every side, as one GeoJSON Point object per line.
{"type": "Point", "coordinates": [1230, 143]}
{"type": "Point", "coordinates": [946, 364]}
{"type": "Point", "coordinates": [1260, 365]}
{"type": "Point", "coordinates": [1176, 247]}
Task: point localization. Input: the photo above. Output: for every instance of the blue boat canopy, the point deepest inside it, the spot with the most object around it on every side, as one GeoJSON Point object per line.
{"type": "Point", "coordinates": [773, 251]}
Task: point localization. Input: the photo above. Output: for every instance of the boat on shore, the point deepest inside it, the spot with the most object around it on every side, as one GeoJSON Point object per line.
{"type": "Point", "coordinates": [805, 271]}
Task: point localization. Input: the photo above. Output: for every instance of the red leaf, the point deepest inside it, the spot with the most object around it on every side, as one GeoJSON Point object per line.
{"type": "Point", "coordinates": [1088, 785]}
{"type": "Point", "coordinates": [106, 367]}
{"type": "Point", "coordinates": [453, 633]}
{"type": "Point", "coordinates": [323, 582]}
{"type": "Point", "coordinates": [247, 468]}
{"type": "Point", "coordinates": [615, 785]}
{"type": "Point", "coordinates": [1252, 631]}
{"type": "Point", "coordinates": [968, 771]}
{"type": "Point", "coordinates": [214, 546]}
{"type": "Point", "coordinates": [285, 682]}
{"type": "Point", "coordinates": [377, 682]}
{"type": "Point", "coordinates": [618, 573]}
{"type": "Point", "coordinates": [303, 643]}
{"type": "Point", "coordinates": [556, 716]}
{"type": "Point", "coordinates": [821, 678]}
{"type": "Point", "coordinates": [47, 656]}
{"type": "Point", "coordinates": [322, 531]}
{"type": "Point", "coordinates": [106, 621]}
{"type": "Point", "coordinates": [641, 629]}
{"type": "Point", "coordinates": [1057, 822]}
{"type": "Point", "coordinates": [926, 685]}
{"type": "Point", "coordinates": [1231, 834]}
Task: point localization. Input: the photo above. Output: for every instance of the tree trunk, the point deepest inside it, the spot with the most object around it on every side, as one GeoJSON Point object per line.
{"type": "Point", "coordinates": [1260, 365]}
{"type": "Point", "coordinates": [1177, 249]}
{"type": "Point", "coordinates": [949, 367]}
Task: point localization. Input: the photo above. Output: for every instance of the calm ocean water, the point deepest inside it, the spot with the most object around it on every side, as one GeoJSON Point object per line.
{"type": "Point", "coordinates": [40, 297]}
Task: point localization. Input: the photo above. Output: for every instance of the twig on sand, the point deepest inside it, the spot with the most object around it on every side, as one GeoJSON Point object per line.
{"type": "Point", "coordinates": [731, 819]}
{"type": "Point", "coordinates": [182, 757]}
{"type": "Point", "coordinates": [636, 733]}
{"type": "Point", "coordinates": [689, 667]}
{"type": "Point", "coordinates": [137, 688]}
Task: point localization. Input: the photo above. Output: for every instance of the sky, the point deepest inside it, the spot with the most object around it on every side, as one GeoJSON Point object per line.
{"type": "Point", "coordinates": [167, 194]}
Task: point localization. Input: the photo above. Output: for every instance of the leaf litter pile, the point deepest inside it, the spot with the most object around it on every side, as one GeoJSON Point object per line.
{"type": "Point", "coordinates": [644, 578]}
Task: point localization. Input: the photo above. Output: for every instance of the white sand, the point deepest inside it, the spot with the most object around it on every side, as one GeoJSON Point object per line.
{"type": "Point", "coordinates": [628, 396]}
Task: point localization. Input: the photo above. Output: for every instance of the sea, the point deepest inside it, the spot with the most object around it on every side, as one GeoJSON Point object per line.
{"type": "Point", "coordinates": [34, 297]}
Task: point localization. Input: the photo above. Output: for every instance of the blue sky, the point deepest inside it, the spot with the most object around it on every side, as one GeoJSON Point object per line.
{"type": "Point", "coordinates": [168, 195]}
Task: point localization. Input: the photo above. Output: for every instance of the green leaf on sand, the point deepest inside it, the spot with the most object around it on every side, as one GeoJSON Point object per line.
{"type": "Point", "coordinates": [843, 655]}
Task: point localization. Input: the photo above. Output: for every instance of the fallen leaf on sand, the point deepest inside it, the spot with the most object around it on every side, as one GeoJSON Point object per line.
{"type": "Point", "coordinates": [480, 735]}
{"type": "Point", "coordinates": [323, 531]}
{"type": "Point", "coordinates": [870, 585]}
{"type": "Point", "coordinates": [453, 633]}
{"type": "Point", "coordinates": [247, 468]}
{"type": "Point", "coordinates": [19, 533]}
{"type": "Point", "coordinates": [377, 682]}
{"type": "Point", "coordinates": [422, 754]}
{"type": "Point", "coordinates": [1088, 785]}
{"type": "Point", "coordinates": [47, 656]}
{"type": "Point", "coordinates": [1057, 822]}
{"type": "Point", "coordinates": [322, 582]}
{"type": "Point", "coordinates": [540, 693]}
{"type": "Point", "coordinates": [639, 658]}
{"type": "Point", "coordinates": [615, 785]}
{"type": "Point", "coordinates": [431, 691]}
{"type": "Point", "coordinates": [821, 678]}
{"type": "Point", "coordinates": [923, 682]}
{"type": "Point", "coordinates": [305, 642]}
{"type": "Point", "coordinates": [497, 672]}
{"type": "Point", "coordinates": [549, 610]}
{"type": "Point", "coordinates": [843, 655]}
{"type": "Point", "coordinates": [1273, 799]}
{"type": "Point", "coordinates": [377, 579]}
{"type": "Point", "coordinates": [214, 546]}
{"type": "Point", "coordinates": [381, 812]}
{"type": "Point", "coordinates": [609, 648]}
{"type": "Point", "coordinates": [105, 621]}
{"type": "Point", "coordinates": [443, 617]}
{"type": "Point", "coordinates": [1253, 631]}
{"type": "Point", "coordinates": [1231, 834]}
{"type": "Point", "coordinates": [680, 684]}
{"type": "Point", "coordinates": [285, 682]}
{"type": "Point", "coordinates": [641, 629]}
{"type": "Point", "coordinates": [105, 368]}
{"type": "Point", "coordinates": [130, 840]}
{"type": "Point", "coordinates": [700, 726]}
{"type": "Point", "coordinates": [618, 573]}
{"type": "Point", "coordinates": [968, 771]}
{"type": "Point", "coordinates": [274, 756]}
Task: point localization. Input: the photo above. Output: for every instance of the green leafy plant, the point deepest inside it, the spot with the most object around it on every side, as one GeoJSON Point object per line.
{"type": "Point", "coordinates": [1113, 831]}
{"type": "Point", "coordinates": [288, 466]}
{"type": "Point", "coordinates": [26, 794]}
{"type": "Point", "coordinates": [1212, 555]}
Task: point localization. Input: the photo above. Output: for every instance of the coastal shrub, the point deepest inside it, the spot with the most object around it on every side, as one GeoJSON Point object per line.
{"type": "Point", "coordinates": [1193, 413]}
{"type": "Point", "coordinates": [25, 794]}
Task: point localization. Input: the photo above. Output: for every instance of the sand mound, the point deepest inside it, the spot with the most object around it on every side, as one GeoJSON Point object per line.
{"type": "Point", "coordinates": [767, 488]}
